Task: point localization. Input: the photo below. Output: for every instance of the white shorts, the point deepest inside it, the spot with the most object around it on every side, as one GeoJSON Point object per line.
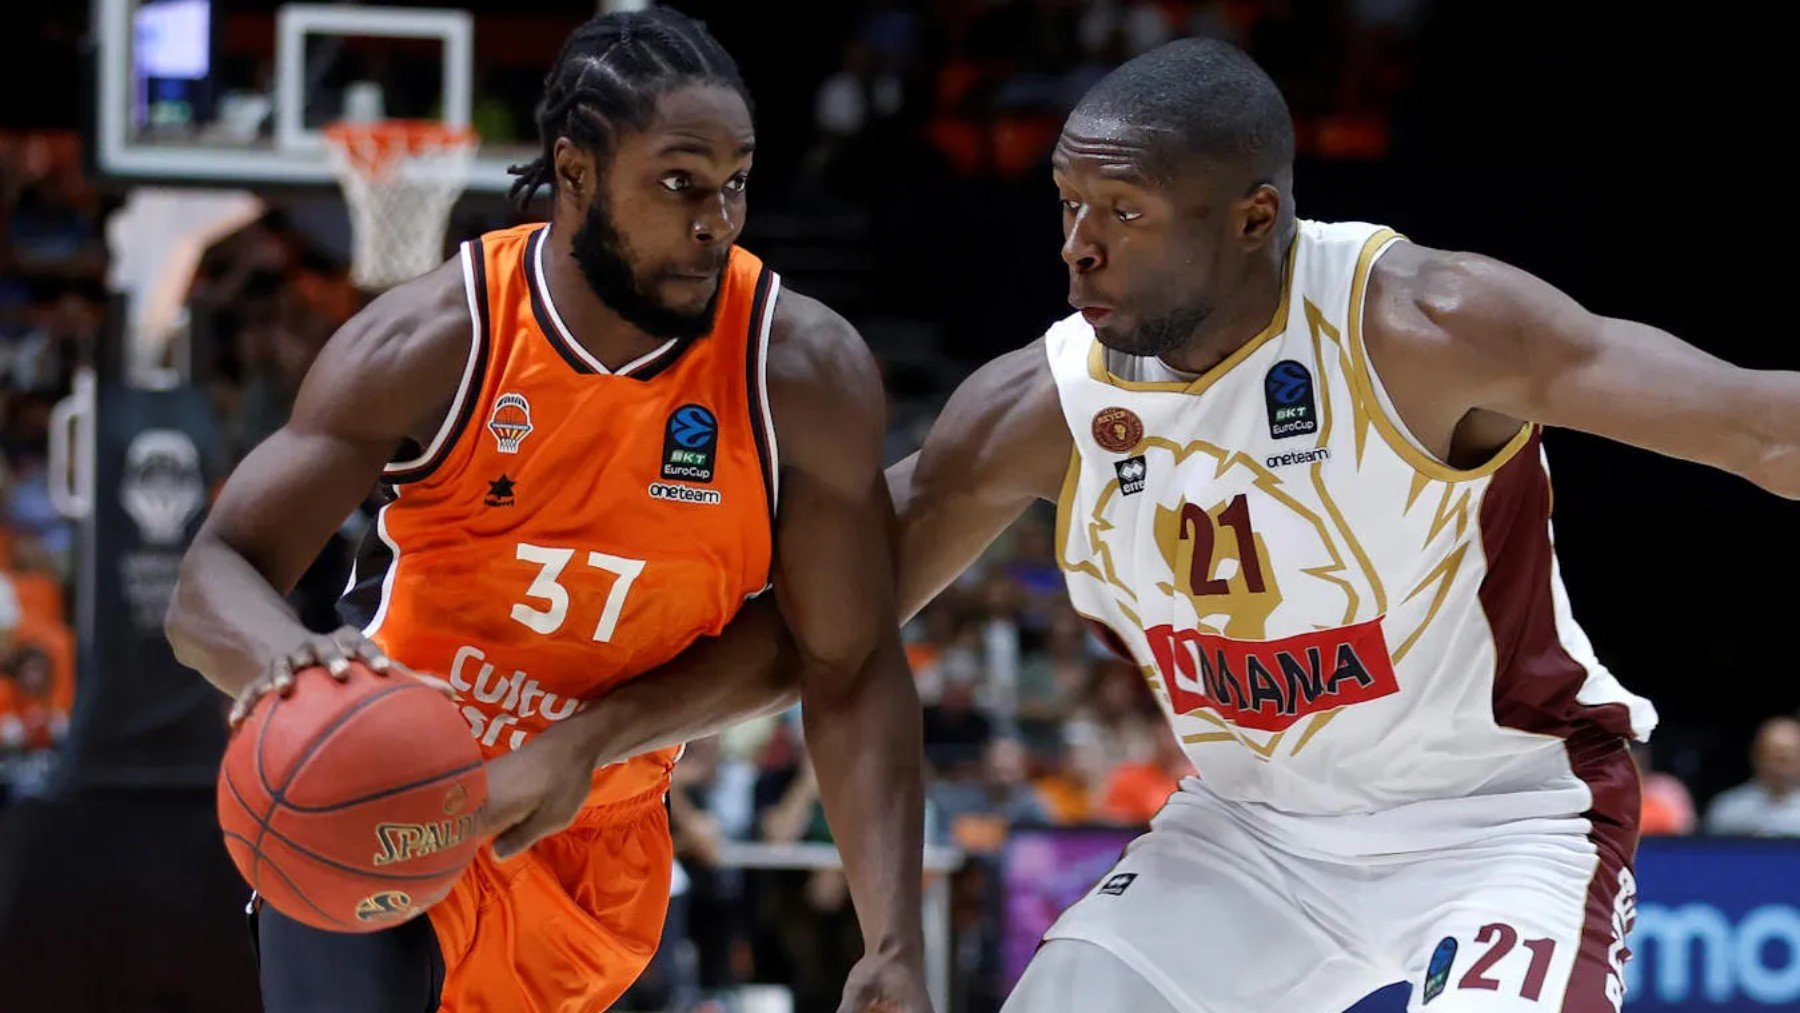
{"type": "Point", "coordinates": [1222, 914]}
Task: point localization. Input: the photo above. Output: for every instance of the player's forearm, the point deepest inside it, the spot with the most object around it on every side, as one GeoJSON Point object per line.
{"type": "Point", "coordinates": [863, 730]}
{"type": "Point", "coordinates": [748, 670]}
{"type": "Point", "coordinates": [1777, 465]}
{"type": "Point", "coordinates": [225, 621]}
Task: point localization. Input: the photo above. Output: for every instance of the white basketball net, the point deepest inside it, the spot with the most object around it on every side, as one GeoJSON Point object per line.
{"type": "Point", "coordinates": [400, 178]}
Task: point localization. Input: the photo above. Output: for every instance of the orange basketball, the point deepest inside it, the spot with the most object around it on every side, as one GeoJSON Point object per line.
{"type": "Point", "coordinates": [352, 806]}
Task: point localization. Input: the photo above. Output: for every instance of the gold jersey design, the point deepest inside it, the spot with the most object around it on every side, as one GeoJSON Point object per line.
{"type": "Point", "coordinates": [1333, 620]}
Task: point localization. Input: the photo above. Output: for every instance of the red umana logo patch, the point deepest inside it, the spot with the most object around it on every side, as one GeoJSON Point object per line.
{"type": "Point", "coordinates": [1270, 684]}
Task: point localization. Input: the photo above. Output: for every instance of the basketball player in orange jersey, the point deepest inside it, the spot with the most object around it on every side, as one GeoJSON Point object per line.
{"type": "Point", "coordinates": [602, 439]}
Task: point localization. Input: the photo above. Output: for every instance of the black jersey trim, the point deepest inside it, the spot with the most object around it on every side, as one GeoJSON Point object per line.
{"type": "Point", "coordinates": [756, 384]}
{"type": "Point", "coordinates": [474, 376]}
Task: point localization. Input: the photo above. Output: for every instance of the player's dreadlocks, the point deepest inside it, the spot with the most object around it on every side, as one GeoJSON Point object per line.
{"type": "Point", "coordinates": [608, 78]}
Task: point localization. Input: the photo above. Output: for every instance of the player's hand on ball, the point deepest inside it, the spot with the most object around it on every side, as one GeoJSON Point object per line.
{"type": "Point", "coordinates": [536, 790]}
{"type": "Point", "coordinates": [333, 652]}
{"type": "Point", "coordinates": [886, 984]}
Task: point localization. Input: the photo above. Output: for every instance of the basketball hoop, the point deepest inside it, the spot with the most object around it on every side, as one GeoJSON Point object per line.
{"type": "Point", "coordinates": [400, 178]}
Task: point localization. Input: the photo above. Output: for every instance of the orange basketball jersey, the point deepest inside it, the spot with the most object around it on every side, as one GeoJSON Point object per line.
{"type": "Point", "coordinates": [570, 526]}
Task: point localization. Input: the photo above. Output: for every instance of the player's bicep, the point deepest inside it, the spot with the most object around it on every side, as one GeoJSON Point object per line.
{"type": "Point", "coordinates": [1539, 355]}
{"type": "Point", "coordinates": [286, 497]}
{"type": "Point", "coordinates": [384, 377]}
{"type": "Point", "coordinates": [834, 568]}
{"type": "Point", "coordinates": [998, 445]}
{"type": "Point", "coordinates": [834, 575]}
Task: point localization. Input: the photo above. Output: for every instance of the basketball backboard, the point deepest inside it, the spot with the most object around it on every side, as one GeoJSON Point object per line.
{"type": "Point", "coordinates": [236, 92]}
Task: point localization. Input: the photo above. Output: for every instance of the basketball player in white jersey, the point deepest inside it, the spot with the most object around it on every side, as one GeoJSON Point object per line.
{"type": "Point", "coordinates": [1299, 483]}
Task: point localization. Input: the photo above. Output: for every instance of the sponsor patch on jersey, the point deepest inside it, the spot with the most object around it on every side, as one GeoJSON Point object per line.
{"type": "Point", "coordinates": [500, 492]}
{"type": "Point", "coordinates": [1270, 684]}
{"type": "Point", "coordinates": [1437, 975]}
{"type": "Point", "coordinates": [685, 494]}
{"type": "Point", "coordinates": [690, 443]}
{"type": "Point", "coordinates": [1298, 457]}
{"type": "Point", "coordinates": [1132, 474]}
{"type": "Point", "coordinates": [1117, 429]}
{"type": "Point", "coordinates": [1288, 391]}
{"type": "Point", "coordinates": [510, 422]}
{"type": "Point", "coordinates": [1116, 884]}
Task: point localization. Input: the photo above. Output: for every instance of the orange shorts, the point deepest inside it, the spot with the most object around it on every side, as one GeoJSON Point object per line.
{"type": "Point", "coordinates": [565, 927]}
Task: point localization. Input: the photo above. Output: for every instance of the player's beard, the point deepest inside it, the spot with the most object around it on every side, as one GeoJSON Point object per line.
{"type": "Point", "coordinates": [1160, 335]}
{"type": "Point", "coordinates": [602, 254]}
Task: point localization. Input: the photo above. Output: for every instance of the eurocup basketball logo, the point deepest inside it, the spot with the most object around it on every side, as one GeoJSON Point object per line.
{"type": "Point", "coordinates": [162, 489]}
{"type": "Point", "coordinates": [1288, 391]}
{"type": "Point", "coordinates": [690, 444]}
{"type": "Point", "coordinates": [510, 422]}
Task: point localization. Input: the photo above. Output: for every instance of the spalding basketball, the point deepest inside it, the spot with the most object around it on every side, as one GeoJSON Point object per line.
{"type": "Point", "coordinates": [352, 806]}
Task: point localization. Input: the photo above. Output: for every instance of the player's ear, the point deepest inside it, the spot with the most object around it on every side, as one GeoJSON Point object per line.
{"type": "Point", "coordinates": [575, 170]}
{"type": "Point", "coordinates": [1258, 214]}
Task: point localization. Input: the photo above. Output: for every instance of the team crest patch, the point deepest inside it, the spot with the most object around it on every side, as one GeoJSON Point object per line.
{"type": "Point", "coordinates": [1437, 974]}
{"type": "Point", "coordinates": [1288, 391]}
{"type": "Point", "coordinates": [690, 444]}
{"type": "Point", "coordinates": [510, 422]}
{"type": "Point", "coordinates": [1117, 429]}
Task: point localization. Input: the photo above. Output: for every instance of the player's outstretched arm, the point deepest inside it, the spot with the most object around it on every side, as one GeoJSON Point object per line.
{"type": "Point", "coordinates": [389, 374]}
{"type": "Point", "coordinates": [1502, 340]}
{"type": "Point", "coordinates": [750, 669]}
{"type": "Point", "coordinates": [998, 445]}
{"type": "Point", "coordinates": [835, 582]}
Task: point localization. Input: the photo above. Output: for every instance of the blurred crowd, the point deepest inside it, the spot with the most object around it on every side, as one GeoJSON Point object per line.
{"type": "Point", "coordinates": [984, 87]}
{"type": "Point", "coordinates": [52, 304]}
{"type": "Point", "coordinates": [1029, 719]}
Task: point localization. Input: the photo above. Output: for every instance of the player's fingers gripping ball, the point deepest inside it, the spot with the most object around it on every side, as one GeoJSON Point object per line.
{"type": "Point", "coordinates": [352, 805]}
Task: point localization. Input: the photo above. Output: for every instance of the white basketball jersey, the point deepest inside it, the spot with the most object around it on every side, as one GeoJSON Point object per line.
{"type": "Point", "coordinates": [1334, 621]}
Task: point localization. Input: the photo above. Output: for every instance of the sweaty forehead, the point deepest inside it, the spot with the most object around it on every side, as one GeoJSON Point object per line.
{"type": "Point", "coordinates": [1108, 147]}
{"type": "Point", "coordinates": [705, 120]}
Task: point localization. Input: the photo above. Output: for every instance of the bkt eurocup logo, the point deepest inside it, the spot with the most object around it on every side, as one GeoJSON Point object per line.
{"type": "Point", "coordinates": [162, 488]}
{"type": "Point", "coordinates": [510, 422]}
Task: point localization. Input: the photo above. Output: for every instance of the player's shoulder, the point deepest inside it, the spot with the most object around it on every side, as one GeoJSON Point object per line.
{"type": "Point", "coordinates": [399, 359]}
{"type": "Point", "coordinates": [1003, 427]}
{"type": "Point", "coordinates": [810, 340]}
{"type": "Point", "coordinates": [409, 326]}
{"type": "Point", "coordinates": [819, 366]}
{"type": "Point", "coordinates": [1022, 380]}
{"type": "Point", "coordinates": [1415, 291]}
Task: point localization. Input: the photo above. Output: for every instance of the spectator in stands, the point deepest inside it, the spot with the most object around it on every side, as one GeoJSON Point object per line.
{"type": "Point", "coordinates": [29, 716]}
{"type": "Point", "coordinates": [851, 112]}
{"type": "Point", "coordinates": [64, 320]}
{"type": "Point", "coordinates": [1123, 712]}
{"type": "Point", "coordinates": [956, 732]}
{"type": "Point", "coordinates": [1768, 805]}
{"type": "Point", "coordinates": [978, 813]}
{"type": "Point", "coordinates": [1076, 792]}
{"type": "Point", "coordinates": [10, 615]}
{"type": "Point", "coordinates": [812, 919]}
{"type": "Point", "coordinates": [1668, 809]}
{"type": "Point", "coordinates": [1050, 681]}
{"type": "Point", "coordinates": [38, 530]}
{"type": "Point", "coordinates": [1136, 791]}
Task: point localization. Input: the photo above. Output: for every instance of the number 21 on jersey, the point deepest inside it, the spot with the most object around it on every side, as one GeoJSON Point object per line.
{"type": "Point", "coordinates": [548, 587]}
